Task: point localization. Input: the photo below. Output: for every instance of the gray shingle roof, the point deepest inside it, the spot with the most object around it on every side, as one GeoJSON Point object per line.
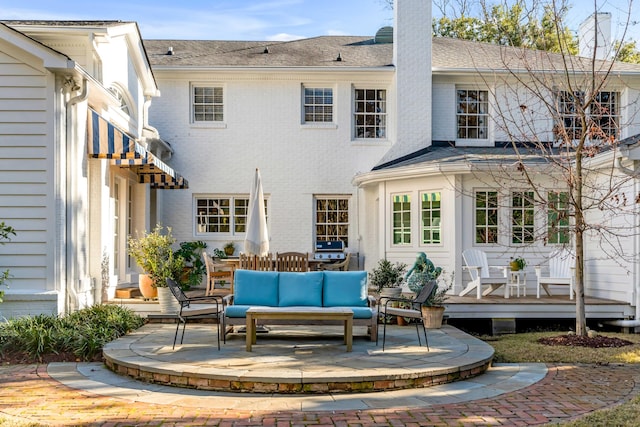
{"type": "Point", "coordinates": [312, 52]}
{"type": "Point", "coordinates": [355, 51]}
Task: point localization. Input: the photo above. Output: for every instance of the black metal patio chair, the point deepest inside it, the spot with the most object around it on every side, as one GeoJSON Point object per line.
{"type": "Point", "coordinates": [195, 308]}
{"type": "Point", "coordinates": [414, 312]}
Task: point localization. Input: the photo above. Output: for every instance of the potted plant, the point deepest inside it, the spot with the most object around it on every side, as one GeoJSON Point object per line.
{"type": "Point", "coordinates": [517, 263]}
{"type": "Point", "coordinates": [219, 253]}
{"type": "Point", "coordinates": [194, 266]}
{"type": "Point", "coordinates": [153, 252]}
{"type": "Point", "coordinates": [229, 248]}
{"type": "Point", "coordinates": [387, 277]}
{"type": "Point", "coordinates": [423, 272]}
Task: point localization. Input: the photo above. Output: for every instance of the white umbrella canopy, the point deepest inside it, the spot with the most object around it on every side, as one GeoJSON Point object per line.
{"type": "Point", "coordinates": [256, 241]}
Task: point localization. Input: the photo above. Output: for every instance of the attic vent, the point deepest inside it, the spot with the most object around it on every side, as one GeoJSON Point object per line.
{"type": "Point", "coordinates": [170, 50]}
{"type": "Point", "coordinates": [384, 35]}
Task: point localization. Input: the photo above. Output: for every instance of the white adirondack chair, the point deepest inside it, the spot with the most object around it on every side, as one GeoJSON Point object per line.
{"type": "Point", "coordinates": [479, 270]}
{"type": "Point", "coordinates": [561, 272]}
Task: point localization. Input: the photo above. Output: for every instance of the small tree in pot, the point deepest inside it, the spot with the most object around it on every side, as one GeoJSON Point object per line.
{"type": "Point", "coordinates": [152, 251]}
{"type": "Point", "coordinates": [386, 276]}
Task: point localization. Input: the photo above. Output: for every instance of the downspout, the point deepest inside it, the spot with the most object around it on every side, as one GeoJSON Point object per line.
{"type": "Point", "coordinates": [70, 258]}
{"type": "Point", "coordinates": [636, 322]}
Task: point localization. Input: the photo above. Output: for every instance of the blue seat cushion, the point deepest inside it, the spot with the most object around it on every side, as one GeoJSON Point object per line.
{"type": "Point", "coordinates": [237, 310]}
{"type": "Point", "coordinates": [255, 288]}
{"type": "Point", "coordinates": [300, 289]}
{"type": "Point", "coordinates": [345, 289]}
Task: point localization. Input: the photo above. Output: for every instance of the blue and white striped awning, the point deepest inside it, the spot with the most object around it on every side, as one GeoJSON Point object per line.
{"type": "Point", "coordinates": [106, 141]}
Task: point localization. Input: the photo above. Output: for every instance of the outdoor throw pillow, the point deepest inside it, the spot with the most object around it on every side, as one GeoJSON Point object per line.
{"type": "Point", "coordinates": [345, 289]}
{"type": "Point", "coordinates": [255, 288]}
{"type": "Point", "coordinates": [301, 289]}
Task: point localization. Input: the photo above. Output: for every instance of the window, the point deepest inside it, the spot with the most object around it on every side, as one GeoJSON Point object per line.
{"type": "Point", "coordinates": [401, 210]}
{"type": "Point", "coordinates": [332, 219]}
{"type": "Point", "coordinates": [522, 213]}
{"type": "Point", "coordinates": [558, 217]}
{"type": "Point", "coordinates": [318, 105]}
{"type": "Point", "coordinates": [486, 216]}
{"type": "Point", "coordinates": [216, 215]}
{"type": "Point", "coordinates": [472, 114]}
{"type": "Point", "coordinates": [603, 115]}
{"type": "Point", "coordinates": [370, 115]}
{"type": "Point", "coordinates": [431, 218]}
{"type": "Point", "coordinates": [119, 95]}
{"type": "Point", "coordinates": [208, 104]}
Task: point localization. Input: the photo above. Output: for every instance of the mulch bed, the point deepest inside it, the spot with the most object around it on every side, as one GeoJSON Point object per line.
{"type": "Point", "coordinates": [17, 357]}
{"type": "Point", "coordinates": [580, 341]}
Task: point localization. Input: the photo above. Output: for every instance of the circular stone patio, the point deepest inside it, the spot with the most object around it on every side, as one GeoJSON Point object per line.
{"type": "Point", "coordinates": [297, 359]}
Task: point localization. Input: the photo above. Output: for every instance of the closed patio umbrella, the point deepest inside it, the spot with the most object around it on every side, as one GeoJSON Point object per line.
{"type": "Point", "coordinates": [256, 241]}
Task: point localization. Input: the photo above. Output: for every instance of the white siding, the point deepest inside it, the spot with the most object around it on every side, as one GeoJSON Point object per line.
{"type": "Point", "coordinates": [27, 184]}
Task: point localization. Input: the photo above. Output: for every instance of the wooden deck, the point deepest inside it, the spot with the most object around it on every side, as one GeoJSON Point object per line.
{"type": "Point", "coordinates": [546, 307]}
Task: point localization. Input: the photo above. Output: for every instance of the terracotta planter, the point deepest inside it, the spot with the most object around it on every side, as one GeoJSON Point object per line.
{"type": "Point", "coordinates": [146, 286]}
{"type": "Point", "coordinates": [432, 316]}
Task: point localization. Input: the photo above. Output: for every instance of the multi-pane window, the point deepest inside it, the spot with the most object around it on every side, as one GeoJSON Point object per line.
{"type": "Point", "coordinates": [558, 217]}
{"type": "Point", "coordinates": [370, 113]}
{"type": "Point", "coordinates": [208, 104]}
{"type": "Point", "coordinates": [603, 115]}
{"type": "Point", "coordinates": [522, 215]}
{"type": "Point", "coordinates": [332, 219]}
{"type": "Point", "coordinates": [401, 212]}
{"type": "Point", "coordinates": [223, 214]}
{"type": "Point", "coordinates": [472, 110]}
{"type": "Point", "coordinates": [486, 209]}
{"type": "Point", "coordinates": [318, 104]}
{"type": "Point", "coordinates": [431, 218]}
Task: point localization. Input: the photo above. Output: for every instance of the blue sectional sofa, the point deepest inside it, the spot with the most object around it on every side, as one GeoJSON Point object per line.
{"type": "Point", "coordinates": [347, 289]}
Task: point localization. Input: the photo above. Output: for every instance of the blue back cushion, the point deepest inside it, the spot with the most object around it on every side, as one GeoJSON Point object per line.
{"type": "Point", "coordinates": [301, 289]}
{"type": "Point", "coordinates": [345, 289]}
{"type": "Point", "coordinates": [255, 288]}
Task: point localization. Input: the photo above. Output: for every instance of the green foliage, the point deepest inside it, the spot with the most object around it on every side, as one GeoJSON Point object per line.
{"type": "Point", "coordinates": [83, 333]}
{"type": "Point", "coordinates": [539, 27]}
{"type": "Point", "coordinates": [154, 254]}
{"type": "Point", "coordinates": [627, 52]}
{"type": "Point", "coordinates": [219, 253]}
{"type": "Point", "coordinates": [518, 262]}
{"type": "Point", "coordinates": [387, 275]}
{"type": "Point", "coordinates": [191, 253]}
{"type": "Point", "coordinates": [6, 232]}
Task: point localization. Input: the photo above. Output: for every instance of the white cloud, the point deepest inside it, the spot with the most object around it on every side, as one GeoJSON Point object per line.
{"type": "Point", "coordinates": [284, 37]}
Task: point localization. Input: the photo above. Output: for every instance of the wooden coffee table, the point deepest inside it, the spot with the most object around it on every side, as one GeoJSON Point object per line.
{"type": "Point", "coordinates": [298, 313]}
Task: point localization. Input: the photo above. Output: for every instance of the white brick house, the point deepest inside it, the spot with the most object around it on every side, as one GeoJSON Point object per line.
{"type": "Point", "coordinates": [348, 133]}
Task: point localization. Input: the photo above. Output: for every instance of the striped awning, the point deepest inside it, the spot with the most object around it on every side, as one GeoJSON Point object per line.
{"type": "Point", "coordinates": [151, 170]}
{"type": "Point", "coordinates": [106, 141]}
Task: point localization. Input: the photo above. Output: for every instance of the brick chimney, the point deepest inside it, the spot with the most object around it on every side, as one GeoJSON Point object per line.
{"type": "Point", "coordinates": [595, 31]}
{"type": "Point", "coordinates": [412, 59]}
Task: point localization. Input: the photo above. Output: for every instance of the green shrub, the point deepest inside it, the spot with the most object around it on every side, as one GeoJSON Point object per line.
{"type": "Point", "coordinates": [82, 333]}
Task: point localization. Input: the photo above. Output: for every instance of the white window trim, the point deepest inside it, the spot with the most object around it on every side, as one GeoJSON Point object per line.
{"type": "Point", "coordinates": [442, 219]}
{"type": "Point", "coordinates": [352, 110]}
{"type": "Point", "coordinates": [501, 218]}
{"type": "Point", "coordinates": [333, 124]}
{"type": "Point", "coordinates": [412, 222]}
{"type": "Point", "coordinates": [232, 197]}
{"type": "Point", "coordinates": [489, 141]}
{"type": "Point", "coordinates": [208, 124]}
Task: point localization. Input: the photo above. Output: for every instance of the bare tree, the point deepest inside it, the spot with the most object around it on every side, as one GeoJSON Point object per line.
{"type": "Point", "coordinates": [590, 198]}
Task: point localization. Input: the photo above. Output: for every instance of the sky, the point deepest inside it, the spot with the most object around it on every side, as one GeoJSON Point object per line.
{"type": "Point", "coordinates": [253, 19]}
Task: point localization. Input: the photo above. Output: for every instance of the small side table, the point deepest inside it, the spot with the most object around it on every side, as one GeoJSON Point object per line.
{"type": "Point", "coordinates": [517, 280]}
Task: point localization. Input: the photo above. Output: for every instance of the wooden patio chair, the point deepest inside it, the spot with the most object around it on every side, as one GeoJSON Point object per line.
{"type": "Point", "coordinates": [479, 270]}
{"type": "Point", "coordinates": [414, 312]}
{"type": "Point", "coordinates": [193, 308]}
{"type": "Point", "coordinates": [292, 261]}
{"type": "Point", "coordinates": [343, 265]}
{"type": "Point", "coordinates": [217, 272]}
{"type": "Point", "coordinates": [264, 262]}
{"type": "Point", "coordinates": [561, 272]}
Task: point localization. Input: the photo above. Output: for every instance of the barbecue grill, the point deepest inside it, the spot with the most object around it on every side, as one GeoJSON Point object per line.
{"type": "Point", "coordinates": [329, 250]}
